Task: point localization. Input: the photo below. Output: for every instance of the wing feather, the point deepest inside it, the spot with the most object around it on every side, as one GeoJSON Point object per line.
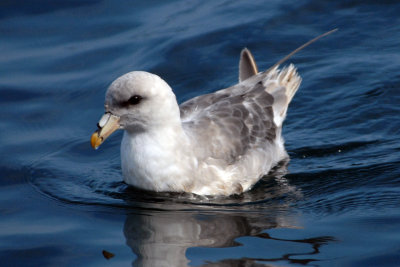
{"type": "Point", "coordinates": [230, 124]}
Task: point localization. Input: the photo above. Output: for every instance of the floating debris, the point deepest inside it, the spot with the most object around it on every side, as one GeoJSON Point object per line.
{"type": "Point", "coordinates": [108, 255]}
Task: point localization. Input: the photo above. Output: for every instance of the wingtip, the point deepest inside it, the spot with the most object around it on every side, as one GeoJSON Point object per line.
{"type": "Point", "coordinates": [244, 50]}
{"type": "Point", "coordinates": [247, 65]}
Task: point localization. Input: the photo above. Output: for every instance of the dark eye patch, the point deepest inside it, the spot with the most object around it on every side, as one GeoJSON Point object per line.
{"type": "Point", "coordinates": [134, 100]}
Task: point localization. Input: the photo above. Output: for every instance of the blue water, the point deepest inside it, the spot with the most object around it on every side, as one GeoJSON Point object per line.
{"type": "Point", "coordinates": [336, 203]}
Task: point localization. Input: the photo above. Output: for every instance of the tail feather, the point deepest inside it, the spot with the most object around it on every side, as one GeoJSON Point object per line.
{"type": "Point", "coordinates": [290, 79]}
{"type": "Point", "coordinates": [282, 85]}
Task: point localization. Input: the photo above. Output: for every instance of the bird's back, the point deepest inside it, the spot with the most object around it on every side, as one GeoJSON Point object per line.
{"type": "Point", "coordinates": [243, 117]}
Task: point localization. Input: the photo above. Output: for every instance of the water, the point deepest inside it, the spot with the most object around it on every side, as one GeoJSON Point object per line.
{"type": "Point", "coordinates": [336, 203]}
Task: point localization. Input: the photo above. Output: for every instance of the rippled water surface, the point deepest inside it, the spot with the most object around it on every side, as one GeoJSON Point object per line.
{"type": "Point", "coordinates": [335, 203]}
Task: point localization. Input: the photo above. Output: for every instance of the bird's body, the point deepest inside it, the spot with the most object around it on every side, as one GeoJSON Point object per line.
{"type": "Point", "coordinates": [215, 144]}
{"type": "Point", "coordinates": [223, 143]}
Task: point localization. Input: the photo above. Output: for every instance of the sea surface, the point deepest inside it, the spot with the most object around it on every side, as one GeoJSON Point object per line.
{"type": "Point", "coordinates": [335, 203]}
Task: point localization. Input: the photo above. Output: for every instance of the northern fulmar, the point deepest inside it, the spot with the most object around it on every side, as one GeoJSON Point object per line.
{"type": "Point", "coordinates": [220, 143]}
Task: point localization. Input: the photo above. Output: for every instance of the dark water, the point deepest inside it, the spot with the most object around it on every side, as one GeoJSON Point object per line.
{"type": "Point", "coordinates": [62, 203]}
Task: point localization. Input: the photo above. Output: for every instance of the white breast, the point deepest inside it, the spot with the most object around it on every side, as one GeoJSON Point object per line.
{"type": "Point", "coordinates": [150, 161]}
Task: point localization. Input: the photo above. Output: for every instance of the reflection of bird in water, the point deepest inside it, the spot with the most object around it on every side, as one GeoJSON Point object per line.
{"type": "Point", "coordinates": [163, 238]}
{"type": "Point", "coordinates": [215, 144]}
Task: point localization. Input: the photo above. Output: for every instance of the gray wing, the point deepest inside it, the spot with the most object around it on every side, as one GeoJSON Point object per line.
{"type": "Point", "coordinates": [225, 125]}
{"type": "Point", "coordinates": [199, 103]}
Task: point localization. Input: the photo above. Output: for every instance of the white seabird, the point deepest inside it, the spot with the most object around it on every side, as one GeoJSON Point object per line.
{"type": "Point", "coordinates": [215, 144]}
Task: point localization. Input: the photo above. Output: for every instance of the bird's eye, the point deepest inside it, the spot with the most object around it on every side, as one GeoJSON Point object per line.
{"type": "Point", "coordinates": [134, 100]}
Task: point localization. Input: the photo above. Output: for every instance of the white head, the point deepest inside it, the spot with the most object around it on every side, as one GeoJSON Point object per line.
{"type": "Point", "coordinates": [137, 101]}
